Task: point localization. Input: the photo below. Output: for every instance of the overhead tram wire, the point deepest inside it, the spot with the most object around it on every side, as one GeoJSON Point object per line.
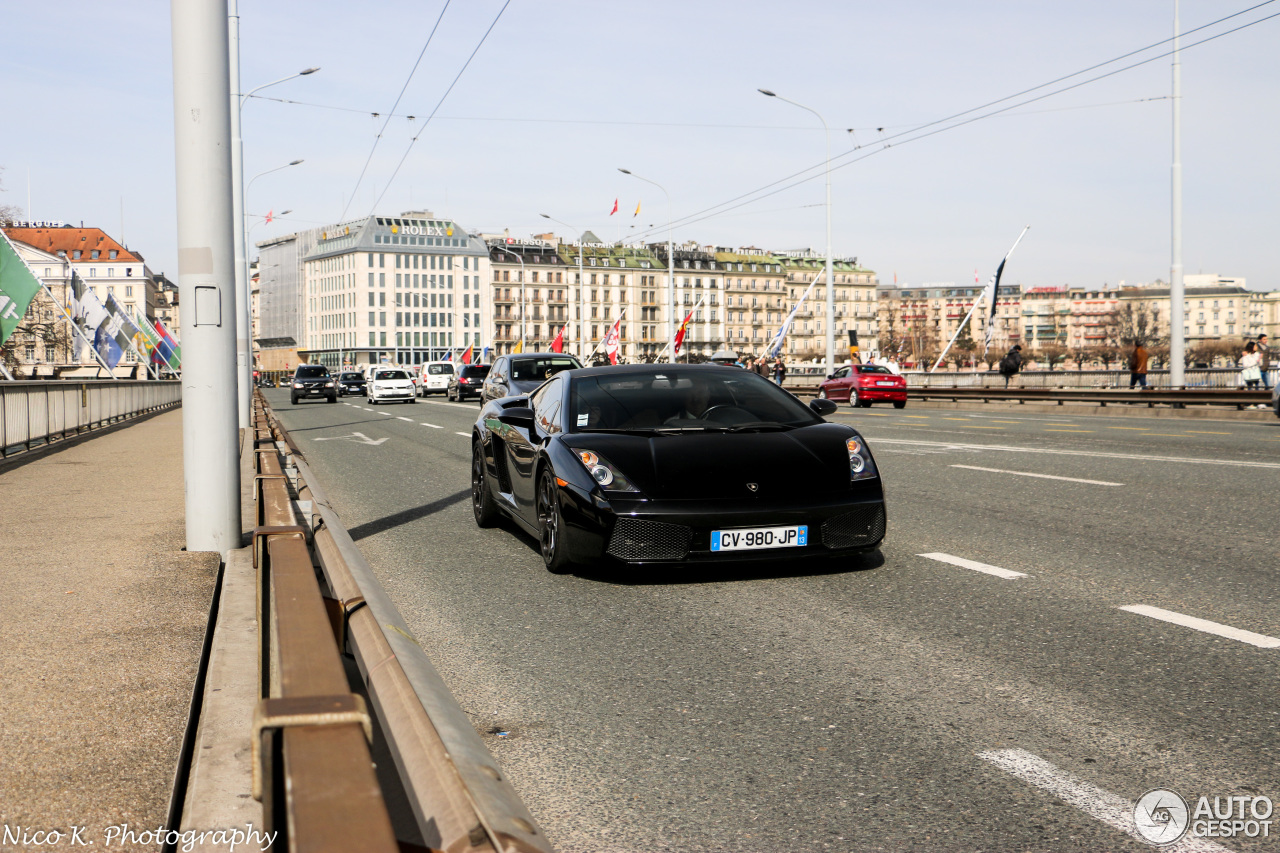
{"type": "Point", "coordinates": [436, 109]}
{"type": "Point", "coordinates": [884, 144]}
{"type": "Point", "coordinates": [392, 113]}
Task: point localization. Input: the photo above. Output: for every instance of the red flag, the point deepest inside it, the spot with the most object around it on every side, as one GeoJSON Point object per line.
{"type": "Point", "coordinates": [615, 207]}
{"type": "Point", "coordinates": [679, 342]}
{"type": "Point", "coordinates": [270, 216]}
{"type": "Point", "coordinates": [613, 341]}
{"type": "Point", "coordinates": [466, 356]}
{"type": "Point", "coordinates": [558, 344]}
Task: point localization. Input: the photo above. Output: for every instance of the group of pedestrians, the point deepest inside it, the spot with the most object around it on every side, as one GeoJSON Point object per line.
{"type": "Point", "coordinates": [775, 369]}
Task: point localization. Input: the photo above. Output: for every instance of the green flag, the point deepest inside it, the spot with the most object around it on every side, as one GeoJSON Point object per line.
{"type": "Point", "coordinates": [18, 286]}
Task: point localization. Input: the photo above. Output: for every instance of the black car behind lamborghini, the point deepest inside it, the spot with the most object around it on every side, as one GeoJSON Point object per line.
{"type": "Point", "coordinates": [651, 464]}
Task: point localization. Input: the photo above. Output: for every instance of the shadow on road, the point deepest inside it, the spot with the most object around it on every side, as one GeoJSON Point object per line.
{"type": "Point", "coordinates": [332, 426]}
{"type": "Point", "coordinates": [369, 528]}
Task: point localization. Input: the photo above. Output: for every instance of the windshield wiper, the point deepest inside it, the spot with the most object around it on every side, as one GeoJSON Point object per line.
{"type": "Point", "coordinates": [759, 426]}
{"type": "Point", "coordinates": [630, 431]}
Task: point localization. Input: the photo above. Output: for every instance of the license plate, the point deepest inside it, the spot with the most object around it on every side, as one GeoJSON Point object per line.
{"type": "Point", "coordinates": [760, 537]}
{"type": "Point", "coordinates": [889, 383]}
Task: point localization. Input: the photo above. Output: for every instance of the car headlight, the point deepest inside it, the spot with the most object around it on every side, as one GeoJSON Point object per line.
{"type": "Point", "coordinates": [606, 476]}
{"type": "Point", "coordinates": [297, 385]}
{"type": "Point", "coordinates": [328, 384]}
{"type": "Point", "coordinates": [860, 465]}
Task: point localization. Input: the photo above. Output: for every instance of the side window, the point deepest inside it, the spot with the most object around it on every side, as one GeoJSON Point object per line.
{"type": "Point", "coordinates": [499, 370]}
{"type": "Point", "coordinates": [545, 403]}
{"type": "Point", "coordinates": [842, 373]}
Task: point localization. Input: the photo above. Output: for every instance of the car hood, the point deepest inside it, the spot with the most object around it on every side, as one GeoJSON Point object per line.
{"type": "Point", "coordinates": [716, 466]}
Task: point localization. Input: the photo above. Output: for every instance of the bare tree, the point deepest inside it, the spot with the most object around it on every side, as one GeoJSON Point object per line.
{"type": "Point", "coordinates": [9, 213]}
{"type": "Point", "coordinates": [1051, 354]}
{"type": "Point", "coordinates": [42, 330]}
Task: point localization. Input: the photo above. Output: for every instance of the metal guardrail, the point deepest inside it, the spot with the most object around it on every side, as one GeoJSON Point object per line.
{"type": "Point", "coordinates": [1215, 377]}
{"type": "Point", "coordinates": [1239, 398]}
{"type": "Point", "coordinates": [312, 768]}
{"type": "Point", "coordinates": [38, 413]}
{"type": "Point", "coordinates": [460, 799]}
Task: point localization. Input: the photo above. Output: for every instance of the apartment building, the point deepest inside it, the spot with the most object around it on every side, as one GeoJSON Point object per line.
{"type": "Point", "coordinates": [701, 281]}
{"type": "Point", "coordinates": [532, 291]}
{"type": "Point", "coordinates": [400, 290]}
{"type": "Point", "coordinates": [856, 304]}
{"type": "Point", "coordinates": [917, 321]}
{"type": "Point", "coordinates": [756, 299]}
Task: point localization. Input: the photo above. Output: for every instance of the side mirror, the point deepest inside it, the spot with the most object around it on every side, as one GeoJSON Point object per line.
{"type": "Point", "coordinates": [831, 376]}
{"type": "Point", "coordinates": [517, 416]}
{"type": "Point", "coordinates": [822, 406]}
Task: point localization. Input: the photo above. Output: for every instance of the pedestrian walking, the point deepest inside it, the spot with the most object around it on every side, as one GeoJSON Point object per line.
{"type": "Point", "coordinates": [1250, 366]}
{"type": "Point", "coordinates": [761, 367]}
{"type": "Point", "coordinates": [1264, 354]}
{"type": "Point", "coordinates": [779, 370]}
{"type": "Point", "coordinates": [1011, 364]}
{"type": "Point", "coordinates": [1138, 365]}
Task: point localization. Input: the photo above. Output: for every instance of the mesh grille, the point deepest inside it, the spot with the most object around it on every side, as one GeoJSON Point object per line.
{"type": "Point", "coordinates": [634, 539]}
{"type": "Point", "coordinates": [863, 526]}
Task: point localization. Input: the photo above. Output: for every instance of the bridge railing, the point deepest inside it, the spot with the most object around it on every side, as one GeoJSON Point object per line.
{"type": "Point", "coordinates": [37, 413]}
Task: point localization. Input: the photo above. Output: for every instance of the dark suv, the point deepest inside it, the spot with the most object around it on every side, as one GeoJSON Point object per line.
{"type": "Point", "coordinates": [312, 380]}
{"type": "Point", "coordinates": [467, 382]}
{"type": "Point", "coordinates": [520, 374]}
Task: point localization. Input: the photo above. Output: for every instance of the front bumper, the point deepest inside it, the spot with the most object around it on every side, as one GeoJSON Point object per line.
{"type": "Point", "coordinates": [313, 391]}
{"type": "Point", "coordinates": [393, 394]}
{"type": "Point", "coordinates": [648, 533]}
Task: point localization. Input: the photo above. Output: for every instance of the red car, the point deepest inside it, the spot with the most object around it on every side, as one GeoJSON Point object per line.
{"type": "Point", "coordinates": [864, 384]}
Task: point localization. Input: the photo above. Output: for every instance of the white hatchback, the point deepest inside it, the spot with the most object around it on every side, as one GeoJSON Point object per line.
{"type": "Point", "coordinates": [436, 376]}
{"type": "Point", "coordinates": [390, 383]}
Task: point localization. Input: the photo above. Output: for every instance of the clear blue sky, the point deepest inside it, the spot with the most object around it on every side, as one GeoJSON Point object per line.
{"type": "Point", "coordinates": [563, 93]}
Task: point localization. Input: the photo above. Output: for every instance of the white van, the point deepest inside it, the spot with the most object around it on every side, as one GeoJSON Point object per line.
{"type": "Point", "coordinates": [435, 377]}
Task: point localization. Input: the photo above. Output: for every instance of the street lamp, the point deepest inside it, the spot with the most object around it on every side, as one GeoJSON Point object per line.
{"type": "Point", "coordinates": [831, 295]}
{"type": "Point", "coordinates": [244, 367]}
{"type": "Point", "coordinates": [582, 291]}
{"type": "Point", "coordinates": [671, 271]}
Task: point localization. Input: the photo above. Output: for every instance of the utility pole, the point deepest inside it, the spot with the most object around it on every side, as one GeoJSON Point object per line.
{"type": "Point", "coordinates": [1177, 293]}
{"type": "Point", "coordinates": [206, 274]}
{"type": "Point", "coordinates": [244, 349]}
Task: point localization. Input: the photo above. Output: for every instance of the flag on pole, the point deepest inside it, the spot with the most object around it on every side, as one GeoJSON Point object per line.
{"type": "Point", "coordinates": [519, 347]}
{"type": "Point", "coordinates": [95, 321]}
{"type": "Point", "coordinates": [613, 341]}
{"type": "Point", "coordinates": [775, 345]}
{"type": "Point", "coordinates": [18, 286]}
{"type": "Point", "coordinates": [270, 216]}
{"type": "Point", "coordinates": [168, 347]}
{"type": "Point", "coordinates": [558, 344]}
{"type": "Point", "coordinates": [680, 333]}
{"type": "Point", "coordinates": [637, 213]}
{"type": "Point", "coordinates": [615, 207]}
{"type": "Point", "coordinates": [466, 355]}
{"type": "Point", "coordinates": [992, 291]}
{"type": "Point", "coordinates": [484, 356]}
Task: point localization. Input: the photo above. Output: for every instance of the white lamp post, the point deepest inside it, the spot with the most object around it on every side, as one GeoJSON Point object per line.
{"type": "Point", "coordinates": [831, 297]}
{"type": "Point", "coordinates": [671, 270]}
{"type": "Point", "coordinates": [582, 290]}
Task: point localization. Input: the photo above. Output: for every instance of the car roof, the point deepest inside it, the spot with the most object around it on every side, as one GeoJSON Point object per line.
{"type": "Point", "coordinates": [517, 356]}
{"type": "Point", "coordinates": [624, 369]}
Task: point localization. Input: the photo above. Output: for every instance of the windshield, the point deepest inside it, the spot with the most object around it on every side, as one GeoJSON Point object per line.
{"type": "Point", "coordinates": [538, 369]}
{"type": "Point", "coordinates": [439, 369]}
{"type": "Point", "coordinates": [312, 371]}
{"type": "Point", "coordinates": [352, 377]}
{"type": "Point", "coordinates": [391, 374]}
{"type": "Point", "coordinates": [674, 399]}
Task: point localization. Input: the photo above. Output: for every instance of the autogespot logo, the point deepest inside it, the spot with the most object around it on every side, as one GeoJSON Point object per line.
{"type": "Point", "coordinates": [1162, 817]}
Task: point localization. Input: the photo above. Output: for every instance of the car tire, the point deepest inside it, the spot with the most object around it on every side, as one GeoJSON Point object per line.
{"type": "Point", "coordinates": [854, 402]}
{"type": "Point", "coordinates": [482, 505]}
{"type": "Point", "coordinates": [822, 393]}
{"type": "Point", "coordinates": [332, 399]}
{"type": "Point", "coordinates": [413, 399]}
{"type": "Point", "coordinates": [293, 399]}
{"type": "Point", "coordinates": [551, 525]}
{"type": "Point", "coordinates": [900, 404]}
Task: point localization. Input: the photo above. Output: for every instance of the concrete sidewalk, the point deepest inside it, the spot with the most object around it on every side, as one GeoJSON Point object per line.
{"type": "Point", "coordinates": [102, 621]}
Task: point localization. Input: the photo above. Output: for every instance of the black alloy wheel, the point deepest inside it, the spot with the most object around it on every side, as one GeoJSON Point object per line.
{"type": "Point", "coordinates": [481, 501]}
{"type": "Point", "coordinates": [551, 525]}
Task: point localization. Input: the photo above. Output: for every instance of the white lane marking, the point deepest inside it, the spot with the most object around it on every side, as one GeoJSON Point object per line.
{"type": "Point", "coordinates": [402, 418]}
{"type": "Point", "coordinates": [1113, 810]}
{"type": "Point", "coordinates": [388, 414]}
{"type": "Point", "coordinates": [463, 434]}
{"type": "Point", "coordinates": [1141, 457]}
{"type": "Point", "coordinates": [1042, 476]}
{"type": "Point", "coordinates": [1262, 641]}
{"type": "Point", "coordinates": [433, 426]}
{"type": "Point", "coordinates": [355, 438]}
{"type": "Point", "coordinates": [975, 566]}
{"type": "Point", "coordinates": [455, 405]}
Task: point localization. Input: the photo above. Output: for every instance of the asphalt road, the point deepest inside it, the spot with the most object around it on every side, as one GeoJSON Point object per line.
{"type": "Point", "coordinates": [908, 702]}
